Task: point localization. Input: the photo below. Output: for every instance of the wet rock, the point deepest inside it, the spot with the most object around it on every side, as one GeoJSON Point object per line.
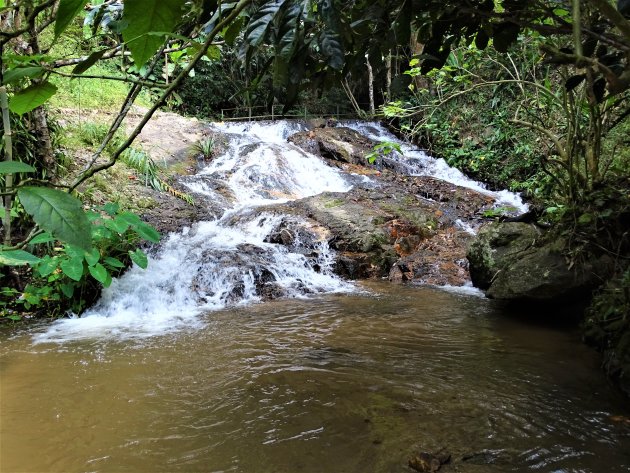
{"type": "Point", "coordinates": [496, 247]}
{"type": "Point", "coordinates": [514, 262]}
{"type": "Point", "coordinates": [337, 144]}
{"type": "Point", "coordinates": [428, 462]}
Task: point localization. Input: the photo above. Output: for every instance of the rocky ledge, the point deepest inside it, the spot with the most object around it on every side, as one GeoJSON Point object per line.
{"type": "Point", "coordinates": [515, 261]}
{"type": "Point", "coordinates": [405, 228]}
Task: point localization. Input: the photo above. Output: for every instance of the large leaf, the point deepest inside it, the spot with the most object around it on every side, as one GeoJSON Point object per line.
{"type": "Point", "coordinates": [13, 75]}
{"type": "Point", "coordinates": [10, 167]}
{"type": "Point", "coordinates": [31, 97]}
{"type": "Point", "coordinates": [332, 49]}
{"type": "Point", "coordinates": [139, 257]}
{"type": "Point", "coordinates": [101, 274]}
{"type": "Point", "coordinates": [17, 258]}
{"type": "Point", "coordinates": [73, 268]}
{"type": "Point", "coordinates": [147, 16]}
{"type": "Point", "coordinates": [66, 12]}
{"type": "Point", "coordinates": [288, 31]}
{"type": "Point", "coordinates": [147, 232]}
{"type": "Point", "coordinates": [59, 213]}
{"type": "Point", "coordinates": [89, 61]}
{"type": "Point", "coordinates": [262, 21]}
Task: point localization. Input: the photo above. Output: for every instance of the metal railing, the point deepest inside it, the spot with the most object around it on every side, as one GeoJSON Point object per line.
{"type": "Point", "coordinates": [305, 112]}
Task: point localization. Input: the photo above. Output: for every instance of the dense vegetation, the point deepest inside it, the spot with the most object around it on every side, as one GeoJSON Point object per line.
{"type": "Point", "coordinates": [530, 95]}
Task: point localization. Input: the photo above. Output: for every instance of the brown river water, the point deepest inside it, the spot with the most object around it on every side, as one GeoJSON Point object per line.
{"type": "Point", "coordinates": [335, 383]}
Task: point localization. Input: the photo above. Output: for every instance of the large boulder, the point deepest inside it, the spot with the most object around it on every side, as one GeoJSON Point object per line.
{"type": "Point", "coordinates": [340, 144]}
{"type": "Point", "coordinates": [512, 261]}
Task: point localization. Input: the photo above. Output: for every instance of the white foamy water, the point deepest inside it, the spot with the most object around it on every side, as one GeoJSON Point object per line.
{"type": "Point", "coordinates": [420, 163]}
{"type": "Point", "coordinates": [235, 260]}
{"type": "Point", "coordinates": [227, 261]}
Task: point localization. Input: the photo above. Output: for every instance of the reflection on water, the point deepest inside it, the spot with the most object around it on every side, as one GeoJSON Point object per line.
{"type": "Point", "coordinates": [337, 383]}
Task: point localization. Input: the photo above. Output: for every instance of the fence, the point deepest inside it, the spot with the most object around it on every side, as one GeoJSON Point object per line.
{"type": "Point", "coordinates": [264, 113]}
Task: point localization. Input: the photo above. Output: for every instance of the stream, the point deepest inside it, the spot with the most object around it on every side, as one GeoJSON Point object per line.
{"type": "Point", "coordinates": [187, 367]}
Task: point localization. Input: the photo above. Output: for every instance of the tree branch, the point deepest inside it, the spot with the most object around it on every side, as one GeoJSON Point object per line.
{"type": "Point", "coordinates": [176, 82]}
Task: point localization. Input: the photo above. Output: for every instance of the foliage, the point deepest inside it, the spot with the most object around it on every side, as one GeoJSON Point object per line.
{"type": "Point", "coordinates": [382, 149]}
{"type": "Point", "coordinates": [68, 276]}
{"type": "Point", "coordinates": [607, 325]}
{"type": "Point", "coordinates": [203, 149]}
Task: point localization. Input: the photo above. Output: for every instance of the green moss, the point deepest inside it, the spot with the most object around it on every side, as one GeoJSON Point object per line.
{"type": "Point", "coordinates": [333, 203]}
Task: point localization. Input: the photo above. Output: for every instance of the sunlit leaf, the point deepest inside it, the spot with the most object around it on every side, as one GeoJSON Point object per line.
{"type": "Point", "coordinates": [66, 12]}
{"type": "Point", "coordinates": [139, 257]}
{"type": "Point", "coordinates": [31, 97]}
{"type": "Point", "coordinates": [57, 212]}
{"type": "Point", "coordinates": [17, 258]}
{"type": "Point", "coordinates": [147, 16]}
{"type": "Point", "coordinates": [9, 167]}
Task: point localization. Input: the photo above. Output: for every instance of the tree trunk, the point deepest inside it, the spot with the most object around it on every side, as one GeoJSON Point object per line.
{"type": "Point", "coordinates": [370, 85]}
{"type": "Point", "coordinates": [388, 78]}
{"type": "Point", "coordinates": [8, 157]}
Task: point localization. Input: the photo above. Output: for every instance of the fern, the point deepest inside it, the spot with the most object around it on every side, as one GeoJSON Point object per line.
{"type": "Point", "coordinates": [143, 164]}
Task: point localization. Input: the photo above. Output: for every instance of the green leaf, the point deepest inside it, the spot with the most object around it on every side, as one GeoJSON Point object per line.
{"type": "Point", "coordinates": [147, 232]}
{"type": "Point", "coordinates": [117, 225]}
{"type": "Point", "coordinates": [129, 218]}
{"type": "Point", "coordinates": [92, 257]}
{"type": "Point", "coordinates": [146, 16]}
{"type": "Point", "coordinates": [73, 268]}
{"type": "Point", "coordinates": [47, 266]}
{"type": "Point", "coordinates": [213, 53]}
{"type": "Point", "coordinates": [139, 257]}
{"type": "Point", "coordinates": [261, 22]}
{"type": "Point", "coordinates": [17, 258]}
{"type": "Point", "coordinates": [113, 262]}
{"type": "Point", "coordinates": [59, 213]}
{"type": "Point", "coordinates": [332, 49]}
{"type": "Point", "coordinates": [232, 31]}
{"type": "Point", "coordinates": [43, 238]}
{"type": "Point", "coordinates": [13, 75]}
{"type": "Point", "coordinates": [67, 289]}
{"type": "Point", "coordinates": [111, 208]}
{"type": "Point", "coordinates": [9, 167]}
{"type": "Point", "coordinates": [66, 12]}
{"type": "Point", "coordinates": [89, 62]}
{"type": "Point", "coordinates": [31, 97]}
{"type": "Point", "coordinates": [99, 273]}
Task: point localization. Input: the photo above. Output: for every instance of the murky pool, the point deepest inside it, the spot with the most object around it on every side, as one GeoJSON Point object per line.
{"type": "Point", "coordinates": [335, 383]}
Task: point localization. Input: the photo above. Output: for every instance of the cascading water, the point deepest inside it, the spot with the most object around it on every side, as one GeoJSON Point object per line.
{"type": "Point", "coordinates": [234, 259]}
{"type": "Point", "coordinates": [417, 162]}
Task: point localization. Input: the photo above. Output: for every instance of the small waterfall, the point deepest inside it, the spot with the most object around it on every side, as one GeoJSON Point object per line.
{"type": "Point", "coordinates": [418, 163]}
{"type": "Point", "coordinates": [234, 259]}
{"type": "Point", "coordinates": [251, 252]}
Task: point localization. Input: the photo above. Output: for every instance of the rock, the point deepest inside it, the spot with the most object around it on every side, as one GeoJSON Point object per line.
{"type": "Point", "coordinates": [429, 462]}
{"type": "Point", "coordinates": [513, 262]}
{"type": "Point", "coordinates": [497, 246]}
{"type": "Point", "coordinates": [337, 144]}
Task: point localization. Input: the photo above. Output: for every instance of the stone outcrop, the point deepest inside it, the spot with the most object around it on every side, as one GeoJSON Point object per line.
{"type": "Point", "coordinates": [339, 144]}
{"type": "Point", "coordinates": [405, 228]}
{"type": "Point", "coordinates": [512, 261]}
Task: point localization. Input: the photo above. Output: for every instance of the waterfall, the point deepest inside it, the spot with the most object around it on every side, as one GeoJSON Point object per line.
{"type": "Point", "coordinates": [251, 252]}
